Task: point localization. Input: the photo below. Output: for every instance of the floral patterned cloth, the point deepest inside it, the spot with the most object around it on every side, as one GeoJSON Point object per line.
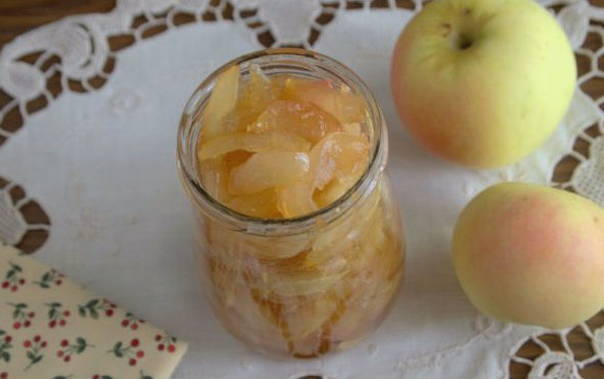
{"type": "Point", "coordinates": [52, 328]}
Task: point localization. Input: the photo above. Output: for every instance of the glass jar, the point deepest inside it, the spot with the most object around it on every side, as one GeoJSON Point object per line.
{"type": "Point", "coordinates": [301, 286]}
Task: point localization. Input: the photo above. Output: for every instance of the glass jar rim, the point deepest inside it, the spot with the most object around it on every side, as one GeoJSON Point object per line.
{"type": "Point", "coordinates": [282, 226]}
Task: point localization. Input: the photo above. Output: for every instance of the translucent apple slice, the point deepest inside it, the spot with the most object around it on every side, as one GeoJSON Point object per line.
{"type": "Point", "coordinates": [222, 101]}
{"type": "Point", "coordinates": [338, 155]}
{"type": "Point", "coordinates": [275, 140]}
{"type": "Point", "coordinates": [334, 190]}
{"type": "Point", "coordinates": [347, 233]}
{"type": "Point", "coordinates": [246, 315]}
{"type": "Point", "coordinates": [352, 128]}
{"type": "Point", "coordinates": [275, 248]}
{"type": "Point", "coordinates": [258, 90]}
{"type": "Point", "coordinates": [235, 158]}
{"type": "Point", "coordinates": [344, 105]}
{"type": "Point", "coordinates": [268, 169]}
{"type": "Point", "coordinates": [351, 152]}
{"type": "Point", "coordinates": [296, 200]}
{"type": "Point", "coordinates": [214, 178]}
{"type": "Point", "coordinates": [256, 94]}
{"type": "Point", "coordinates": [301, 118]}
{"type": "Point", "coordinates": [309, 316]}
{"type": "Point", "coordinates": [298, 284]}
{"type": "Point", "coordinates": [262, 204]}
{"type": "Point", "coordinates": [278, 84]}
{"type": "Point", "coordinates": [233, 301]}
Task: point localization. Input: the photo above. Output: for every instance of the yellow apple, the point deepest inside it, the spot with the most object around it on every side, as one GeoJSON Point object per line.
{"type": "Point", "coordinates": [482, 82]}
{"type": "Point", "coordinates": [531, 254]}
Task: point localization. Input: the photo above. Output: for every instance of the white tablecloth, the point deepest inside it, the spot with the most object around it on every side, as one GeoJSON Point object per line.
{"type": "Point", "coordinates": [102, 165]}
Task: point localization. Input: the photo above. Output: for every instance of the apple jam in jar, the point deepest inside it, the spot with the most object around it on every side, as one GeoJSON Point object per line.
{"type": "Point", "coordinates": [282, 153]}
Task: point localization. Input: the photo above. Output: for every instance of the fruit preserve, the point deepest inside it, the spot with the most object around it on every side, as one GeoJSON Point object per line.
{"type": "Point", "coordinates": [282, 153]}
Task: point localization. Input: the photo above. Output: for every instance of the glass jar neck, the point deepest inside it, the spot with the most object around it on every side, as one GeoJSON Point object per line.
{"type": "Point", "coordinates": [283, 61]}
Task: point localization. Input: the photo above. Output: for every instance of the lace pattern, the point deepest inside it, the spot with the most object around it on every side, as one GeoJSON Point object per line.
{"type": "Point", "coordinates": [553, 353]}
{"type": "Point", "coordinates": [79, 54]}
{"type": "Point", "coordinates": [23, 223]}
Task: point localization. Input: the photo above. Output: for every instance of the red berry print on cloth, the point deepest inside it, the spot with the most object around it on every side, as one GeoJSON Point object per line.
{"type": "Point", "coordinates": [165, 343]}
{"type": "Point", "coordinates": [5, 347]}
{"type": "Point", "coordinates": [131, 321]}
{"type": "Point", "coordinates": [34, 349]}
{"type": "Point", "coordinates": [13, 279]}
{"type": "Point", "coordinates": [3, 375]}
{"type": "Point", "coordinates": [22, 318]}
{"type": "Point", "coordinates": [130, 351]}
{"type": "Point", "coordinates": [98, 376]}
{"type": "Point", "coordinates": [57, 316]}
{"type": "Point", "coordinates": [96, 307]}
{"type": "Point", "coordinates": [68, 348]}
{"type": "Point", "coordinates": [50, 278]}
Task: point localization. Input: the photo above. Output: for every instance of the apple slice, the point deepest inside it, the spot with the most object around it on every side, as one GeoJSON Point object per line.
{"type": "Point", "coordinates": [256, 94]}
{"type": "Point", "coordinates": [222, 101]}
{"type": "Point", "coordinates": [338, 155]}
{"type": "Point", "coordinates": [267, 169]}
{"type": "Point", "coordinates": [299, 283]}
{"type": "Point", "coordinates": [307, 317]}
{"type": "Point", "coordinates": [352, 128]}
{"type": "Point", "coordinates": [342, 156]}
{"type": "Point", "coordinates": [214, 178]}
{"type": "Point", "coordinates": [235, 158]}
{"type": "Point", "coordinates": [344, 105]}
{"type": "Point", "coordinates": [275, 140]}
{"type": "Point", "coordinates": [334, 190]}
{"type": "Point", "coordinates": [261, 204]}
{"type": "Point", "coordinates": [304, 119]}
{"type": "Point", "coordinates": [296, 200]}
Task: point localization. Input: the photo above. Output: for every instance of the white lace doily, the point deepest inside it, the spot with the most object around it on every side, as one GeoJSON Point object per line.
{"type": "Point", "coordinates": [99, 157]}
